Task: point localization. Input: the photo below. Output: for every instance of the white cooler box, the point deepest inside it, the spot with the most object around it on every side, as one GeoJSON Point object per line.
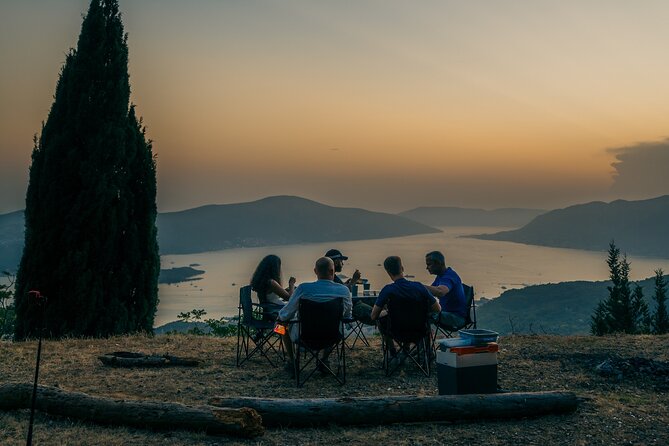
{"type": "Point", "coordinates": [468, 369]}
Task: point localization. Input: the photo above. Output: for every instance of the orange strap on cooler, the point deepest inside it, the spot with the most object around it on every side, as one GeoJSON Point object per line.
{"type": "Point", "coordinates": [491, 347]}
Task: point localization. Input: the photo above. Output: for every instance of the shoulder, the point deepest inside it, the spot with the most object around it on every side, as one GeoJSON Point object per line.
{"type": "Point", "coordinates": [388, 288]}
{"type": "Point", "coordinates": [451, 273]}
{"type": "Point", "coordinates": [341, 289]}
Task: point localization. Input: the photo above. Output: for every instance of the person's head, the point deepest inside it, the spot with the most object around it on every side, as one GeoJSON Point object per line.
{"type": "Point", "coordinates": [338, 259]}
{"type": "Point", "coordinates": [324, 268]}
{"type": "Point", "coordinates": [435, 262]}
{"type": "Point", "coordinates": [393, 266]}
{"type": "Point", "coordinates": [268, 269]}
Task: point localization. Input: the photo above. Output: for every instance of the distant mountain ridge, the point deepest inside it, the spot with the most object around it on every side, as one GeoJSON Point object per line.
{"type": "Point", "coordinates": [276, 220]}
{"type": "Point", "coordinates": [271, 221]}
{"type": "Point", "coordinates": [457, 216]}
{"type": "Point", "coordinates": [638, 227]}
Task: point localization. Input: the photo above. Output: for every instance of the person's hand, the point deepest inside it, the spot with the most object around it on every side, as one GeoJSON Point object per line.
{"type": "Point", "coordinates": [356, 276]}
{"type": "Point", "coordinates": [291, 281]}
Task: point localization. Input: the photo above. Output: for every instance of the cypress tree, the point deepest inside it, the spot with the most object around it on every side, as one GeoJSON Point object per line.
{"type": "Point", "coordinates": [624, 311]}
{"type": "Point", "coordinates": [660, 318]}
{"type": "Point", "coordinates": [90, 240]}
{"type": "Point", "coordinates": [640, 315]}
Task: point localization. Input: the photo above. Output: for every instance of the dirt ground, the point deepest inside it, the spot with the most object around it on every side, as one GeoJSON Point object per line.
{"type": "Point", "coordinates": [627, 406]}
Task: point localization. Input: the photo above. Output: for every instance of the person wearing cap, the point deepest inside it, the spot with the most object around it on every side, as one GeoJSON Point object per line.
{"type": "Point", "coordinates": [362, 309]}
{"type": "Point", "coordinates": [338, 259]}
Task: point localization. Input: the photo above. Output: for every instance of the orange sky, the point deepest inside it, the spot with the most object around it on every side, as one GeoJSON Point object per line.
{"type": "Point", "coordinates": [386, 105]}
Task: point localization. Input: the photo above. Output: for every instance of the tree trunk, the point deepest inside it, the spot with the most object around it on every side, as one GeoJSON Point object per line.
{"type": "Point", "coordinates": [403, 409]}
{"type": "Point", "coordinates": [130, 359]}
{"type": "Point", "coordinates": [243, 422]}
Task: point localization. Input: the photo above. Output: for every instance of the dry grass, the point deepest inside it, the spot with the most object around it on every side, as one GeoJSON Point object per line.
{"type": "Point", "coordinates": [634, 411]}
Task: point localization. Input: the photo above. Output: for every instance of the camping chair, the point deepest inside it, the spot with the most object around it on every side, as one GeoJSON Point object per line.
{"type": "Point", "coordinates": [356, 325]}
{"type": "Point", "coordinates": [356, 331]}
{"type": "Point", "coordinates": [255, 332]}
{"type": "Point", "coordinates": [408, 325]}
{"type": "Point", "coordinates": [320, 328]}
{"type": "Point", "coordinates": [470, 321]}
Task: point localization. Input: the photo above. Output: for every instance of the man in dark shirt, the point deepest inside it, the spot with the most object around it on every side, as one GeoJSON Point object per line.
{"type": "Point", "coordinates": [447, 287]}
{"type": "Point", "coordinates": [338, 259]}
{"type": "Point", "coordinates": [401, 288]}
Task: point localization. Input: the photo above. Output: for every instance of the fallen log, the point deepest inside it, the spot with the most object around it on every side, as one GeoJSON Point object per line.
{"type": "Point", "coordinates": [242, 422]}
{"type": "Point", "coordinates": [403, 409]}
{"type": "Point", "coordinates": [130, 359]}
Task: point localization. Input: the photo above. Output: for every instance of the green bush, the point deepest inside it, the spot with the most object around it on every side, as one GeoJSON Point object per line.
{"type": "Point", "coordinates": [217, 327]}
{"type": "Point", "coordinates": [7, 312]}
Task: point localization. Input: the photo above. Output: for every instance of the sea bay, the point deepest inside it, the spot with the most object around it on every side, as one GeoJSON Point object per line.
{"type": "Point", "coordinates": [490, 266]}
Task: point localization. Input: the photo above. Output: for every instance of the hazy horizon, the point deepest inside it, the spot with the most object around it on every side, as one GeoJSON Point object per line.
{"type": "Point", "coordinates": [385, 106]}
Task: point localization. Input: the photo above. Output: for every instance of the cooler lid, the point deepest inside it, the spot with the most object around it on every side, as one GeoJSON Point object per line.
{"type": "Point", "coordinates": [491, 347]}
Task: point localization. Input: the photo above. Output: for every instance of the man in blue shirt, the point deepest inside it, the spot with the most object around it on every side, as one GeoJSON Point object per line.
{"type": "Point", "coordinates": [447, 287]}
{"type": "Point", "coordinates": [401, 288]}
{"type": "Point", "coordinates": [322, 290]}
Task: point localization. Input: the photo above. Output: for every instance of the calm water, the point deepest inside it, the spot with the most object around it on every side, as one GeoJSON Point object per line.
{"type": "Point", "coordinates": [490, 266]}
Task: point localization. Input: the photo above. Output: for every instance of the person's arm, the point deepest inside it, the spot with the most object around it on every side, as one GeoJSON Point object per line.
{"type": "Point", "coordinates": [279, 291]}
{"type": "Point", "coordinates": [435, 308]}
{"type": "Point", "coordinates": [377, 312]}
{"type": "Point", "coordinates": [353, 280]}
{"type": "Point", "coordinates": [289, 310]}
{"type": "Point", "coordinates": [378, 309]}
{"type": "Point", "coordinates": [438, 291]}
{"type": "Point", "coordinates": [348, 306]}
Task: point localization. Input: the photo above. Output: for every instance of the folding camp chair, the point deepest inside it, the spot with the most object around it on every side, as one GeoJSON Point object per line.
{"type": "Point", "coordinates": [470, 320]}
{"type": "Point", "coordinates": [320, 328]}
{"type": "Point", "coordinates": [255, 331]}
{"type": "Point", "coordinates": [356, 332]}
{"type": "Point", "coordinates": [408, 325]}
{"type": "Point", "coordinates": [356, 325]}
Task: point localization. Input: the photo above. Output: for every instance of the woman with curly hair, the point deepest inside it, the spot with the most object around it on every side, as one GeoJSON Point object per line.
{"type": "Point", "coordinates": [266, 282]}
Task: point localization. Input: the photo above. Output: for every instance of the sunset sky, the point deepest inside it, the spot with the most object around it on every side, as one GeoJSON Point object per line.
{"type": "Point", "coordinates": [385, 105]}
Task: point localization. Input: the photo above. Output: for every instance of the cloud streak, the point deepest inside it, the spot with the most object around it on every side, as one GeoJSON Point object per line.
{"type": "Point", "coordinates": [641, 170]}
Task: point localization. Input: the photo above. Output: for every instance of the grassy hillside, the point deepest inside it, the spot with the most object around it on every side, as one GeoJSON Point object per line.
{"type": "Point", "coordinates": [561, 308]}
{"type": "Point", "coordinates": [626, 409]}
{"type": "Point", "coordinates": [638, 227]}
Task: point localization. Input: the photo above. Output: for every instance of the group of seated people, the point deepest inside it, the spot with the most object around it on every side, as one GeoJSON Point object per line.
{"type": "Point", "coordinates": [445, 297]}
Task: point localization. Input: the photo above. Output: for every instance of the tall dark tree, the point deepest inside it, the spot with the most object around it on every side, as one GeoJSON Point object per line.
{"type": "Point", "coordinates": [641, 320]}
{"type": "Point", "coordinates": [660, 320]}
{"type": "Point", "coordinates": [624, 311]}
{"type": "Point", "coordinates": [90, 242]}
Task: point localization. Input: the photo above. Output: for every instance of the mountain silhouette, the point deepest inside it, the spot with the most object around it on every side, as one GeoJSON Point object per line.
{"type": "Point", "coordinates": [638, 227]}
{"type": "Point", "coordinates": [456, 216]}
{"type": "Point", "coordinates": [271, 221]}
{"type": "Point", "coordinates": [276, 220]}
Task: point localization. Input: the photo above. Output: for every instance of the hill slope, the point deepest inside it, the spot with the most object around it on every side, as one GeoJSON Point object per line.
{"type": "Point", "coordinates": [455, 216]}
{"type": "Point", "coordinates": [275, 221]}
{"type": "Point", "coordinates": [638, 227]}
{"type": "Point", "coordinates": [561, 308]}
{"type": "Point", "coordinates": [11, 240]}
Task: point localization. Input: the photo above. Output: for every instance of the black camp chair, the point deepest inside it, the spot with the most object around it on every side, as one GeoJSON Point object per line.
{"type": "Point", "coordinates": [408, 325]}
{"type": "Point", "coordinates": [470, 321]}
{"type": "Point", "coordinates": [255, 332]}
{"type": "Point", "coordinates": [320, 328]}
